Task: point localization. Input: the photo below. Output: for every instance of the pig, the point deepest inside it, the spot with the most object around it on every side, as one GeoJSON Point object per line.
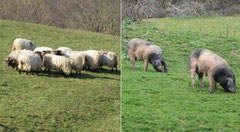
{"type": "Point", "coordinates": [142, 50]}
{"type": "Point", "coordinates": [206, 62]}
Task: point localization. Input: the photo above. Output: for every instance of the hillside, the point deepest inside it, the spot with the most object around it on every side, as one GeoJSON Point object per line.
{"type": "Point", "coordinates": [87, 102]}
{"type": "Point", "coordinates": [155, 101]}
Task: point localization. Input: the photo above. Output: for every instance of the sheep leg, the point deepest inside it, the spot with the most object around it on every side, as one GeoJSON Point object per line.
{"type": "Point", "coordinates": [49, 72]}
{"type": "Point", "coordinates": [132, 59]}
{"type": "Point", "coordinates": [212, 83]}
{"type": "Point", "coordinates": [116, 68]}
{"type": "Point", "coordinates": [145, 65]}
{"type": "Point", "coordinates": [26, 73]}
{"type": "Point", "coordinates": [112, 69]}
{"type": "Point", "coordinates": [19, 71]}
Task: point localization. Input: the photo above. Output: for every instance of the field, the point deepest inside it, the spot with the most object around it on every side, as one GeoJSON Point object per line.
{"type": "Point", "coordinates": [155, 101]}
{"type": "Point", "coordinates": [87, 102]}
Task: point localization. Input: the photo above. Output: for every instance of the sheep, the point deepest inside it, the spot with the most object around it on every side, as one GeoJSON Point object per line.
{"type": "Point", "coordinates": [206, 62]}
{"type": "Point", "coordinates": [13, 58]}
{"type": "Point", "coordinates": [20, 43]}
{"type": "Point", "coordinates": [41, 49]}
{"type": "Point", "coordinates": [56, 62]}
{"type": "Point", "coordinates": [62, 50]}
{"type": "Point", "coordinates": [92, 59]}
{"type": "Point", "coordinates": [76, 58]}
{"type": "Point", "coordinates": [108, 58]}
{"type": "Point", "coordinates": [30, 63]}
{"type": "Point", "coordinates": [138, 49]}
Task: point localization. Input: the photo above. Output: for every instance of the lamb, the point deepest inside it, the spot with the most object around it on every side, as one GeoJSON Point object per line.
{"type": "Point", "coordinates": [30, 63]}
{"type": "Point", "coordinates": [41, 49]}
{"type": "Point", "coordinates": [76, 58]}
{"type": "Point", "coordinates": [108, 58]}
{"type": "Point", "coordinates": [92, 59]}
{"type": "Point", "coordinates": [13, 58]}
{"type": "Point", "coordinates": [206, 62]}
{"type": "Point", "coordinates": [138, 49]}
{"type": "Point", "coordinates": [56, 62]}
{"type": "Point", "coordinates": [20, 43]}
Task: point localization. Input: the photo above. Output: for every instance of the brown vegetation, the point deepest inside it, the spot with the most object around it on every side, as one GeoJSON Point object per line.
{"type": "Point", "coordinates": [138, 9]}
{"type": "Point", "coordinates": [93, 15]}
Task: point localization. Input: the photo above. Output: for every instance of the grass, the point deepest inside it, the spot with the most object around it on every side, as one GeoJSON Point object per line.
{"type": "Point", "coordinates": [87, 102]}
{"type": "Point", "coordinates": [155, 101]}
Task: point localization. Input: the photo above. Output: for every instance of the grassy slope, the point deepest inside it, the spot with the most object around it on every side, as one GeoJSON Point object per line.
{"type": "Point", "coordinates": [167, 102]}
{"type": "Point", "coordinates": [89, 102]}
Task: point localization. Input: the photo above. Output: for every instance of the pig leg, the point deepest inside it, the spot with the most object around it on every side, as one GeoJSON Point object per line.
{"type": "Point", "coordinates": [200, 76]}
{"type": "Point", "coordinates": [212, 83]}
{"type": "Point", "coordinates": [145, 65]}
{"type": "Point", "coordinates": [193, 72]}
{"type": "Point", "coordinates": [193, 69]}
{"type": "Point", "coordinates": [132, 59]}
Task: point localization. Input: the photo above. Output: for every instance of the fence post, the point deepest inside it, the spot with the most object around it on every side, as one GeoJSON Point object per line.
{"type": "Point", "coordinates": [234, 32]}
{"type": "Point", "coordinates": [227, 32]}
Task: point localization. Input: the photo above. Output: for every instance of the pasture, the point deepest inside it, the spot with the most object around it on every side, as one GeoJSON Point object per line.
{"type": "Point", "coordinates": [86, 102]}
{"type": "Point", "coordinates": [154, 101]}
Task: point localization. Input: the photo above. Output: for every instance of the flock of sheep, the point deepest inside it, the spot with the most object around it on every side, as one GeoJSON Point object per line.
{"type": "Point", "coordinates": [201, 61]}
{"type": "Point", "coordinates": [25, 56]}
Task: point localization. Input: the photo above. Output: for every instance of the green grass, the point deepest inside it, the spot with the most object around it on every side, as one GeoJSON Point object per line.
{"type": "Point", "coordinates": [155, 101]}
{"type": "Point", "coordinates": [206, 25]}
{"type": "Point", "coordinates": [87, 102]}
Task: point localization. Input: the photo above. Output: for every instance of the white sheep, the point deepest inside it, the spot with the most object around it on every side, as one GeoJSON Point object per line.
{"type": "Point", "coordinates": [30, 63]}
{"type": "Point", "coordinates": [56, 62]}
{"type": "Point", "coordinates": [20, 43]}
{"type": "Point", "coordinates": [41, 49]}
{"type": "Point", "coordinates": [108, 58]}
{"type": "Point", "coordinates": [77, 60]}
{"type": "Point", "coordinates": [13, 58]}
{"type": "Point", "coordinates": [92, 59]}
{"type": "Point", "coordinates": [62, 50]}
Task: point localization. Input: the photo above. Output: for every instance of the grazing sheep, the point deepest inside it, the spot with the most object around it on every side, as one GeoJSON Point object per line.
{"type": "Point", "coordinates": [20, 43]}
{"type": "Point", "coordinates": [30, 63]}
{"type": "Point", "coordinates": [62, 50]}
{"type": "Point", "coordinates": [92, 59]}
{"type": "Point", "coordinates": [108, 59]}
{"type": "Point", "coordinates": [56, 62]}
{"type": "Point", "coordinates": [76, 58]}
{"type": "Point", "coordinates": [205, 62]}
{"type": "Point", "coordinates": [41, 49]}
{"type": "Point", "coordinates": [13, 58]}
{"type": "Point", "coordinates": [138, 49]}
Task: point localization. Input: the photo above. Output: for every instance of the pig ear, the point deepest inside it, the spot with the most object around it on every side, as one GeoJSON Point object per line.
{"type": "Point", "coordinates": [6, 60]}
{"type": "Point", "coordinates": [165, 66]}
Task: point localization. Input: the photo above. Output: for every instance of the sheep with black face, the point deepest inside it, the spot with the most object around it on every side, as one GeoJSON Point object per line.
{"type": "Point", "coordinates": [142, 50]}
{"type": "Point", "coordinates": [13, 58]}
{"type": "Point", "coordinates": [205, 62]}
